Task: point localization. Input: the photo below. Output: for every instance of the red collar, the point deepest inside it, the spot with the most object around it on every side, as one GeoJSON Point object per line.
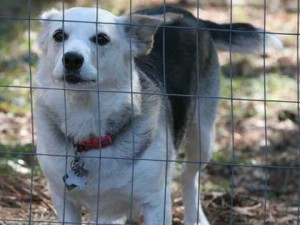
{"type": "Point", "coordinates": [94, 143]}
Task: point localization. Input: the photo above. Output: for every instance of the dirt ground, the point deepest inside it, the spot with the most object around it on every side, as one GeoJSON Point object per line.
{"type": "Point", "coordinates": [253, 179]}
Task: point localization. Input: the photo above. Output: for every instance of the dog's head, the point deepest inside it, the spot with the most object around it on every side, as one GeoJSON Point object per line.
{"type": "Point", "coordinates": [86, 46]}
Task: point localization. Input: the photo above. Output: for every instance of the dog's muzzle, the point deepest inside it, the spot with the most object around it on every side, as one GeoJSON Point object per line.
{"type": "Point", "coordinates": [73, 62]}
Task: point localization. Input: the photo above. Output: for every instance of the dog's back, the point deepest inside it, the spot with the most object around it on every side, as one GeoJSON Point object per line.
{"type": "Point", "coordinates": [184, 60]}
{"type": "Point", "coordinates": [179, 64]}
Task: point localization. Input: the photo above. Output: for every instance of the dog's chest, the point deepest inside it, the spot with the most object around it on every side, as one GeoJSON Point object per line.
{"type": "Point", "coordinates": [83, 118]}
{"type": "Point", "coordinates": [112, 203]}
{"type": "Point", "coordinates": [83, 122]}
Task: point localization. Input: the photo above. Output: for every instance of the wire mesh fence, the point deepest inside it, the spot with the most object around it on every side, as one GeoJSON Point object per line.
{"type": "Point", "coordinates": [253, 175]}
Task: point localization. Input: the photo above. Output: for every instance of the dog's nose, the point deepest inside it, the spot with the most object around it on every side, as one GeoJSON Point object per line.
{"type": "Point", "coordinates": [72, 60]}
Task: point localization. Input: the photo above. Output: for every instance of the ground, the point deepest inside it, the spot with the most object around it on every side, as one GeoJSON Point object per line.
{"type": "Point", "coordinates": [253, 177]}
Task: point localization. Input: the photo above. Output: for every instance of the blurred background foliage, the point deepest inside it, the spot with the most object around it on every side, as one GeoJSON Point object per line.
{"type": "Point", "coordinates": [250, 131]}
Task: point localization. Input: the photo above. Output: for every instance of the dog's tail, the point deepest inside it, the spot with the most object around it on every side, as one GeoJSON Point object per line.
{"type": "Point", "coordinates": [243, 38]}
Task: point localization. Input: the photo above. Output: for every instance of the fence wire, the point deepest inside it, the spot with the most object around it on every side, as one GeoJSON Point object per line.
{"type": "Point", "coordinates": [225, 198]}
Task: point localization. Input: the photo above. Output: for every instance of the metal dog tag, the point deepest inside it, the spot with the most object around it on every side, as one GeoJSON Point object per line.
{"type": "Point", "coordinates": [77, 176]}
{"type": "Point", "coordinates": [72, 180]}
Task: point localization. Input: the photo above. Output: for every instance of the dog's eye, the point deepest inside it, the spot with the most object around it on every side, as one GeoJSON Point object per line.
{"type": "Point", "coordinates": [59, 35]}
{"type": "Point", "coordinates": [100, 39]}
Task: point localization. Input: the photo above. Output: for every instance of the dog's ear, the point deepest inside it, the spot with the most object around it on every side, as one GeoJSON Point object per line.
{"type": "Point", "coordinates": [48, 15]}
{"type": "Point", "coordinates": [46, 18]}
{"type": "Point", "coordinates": [141, 29]}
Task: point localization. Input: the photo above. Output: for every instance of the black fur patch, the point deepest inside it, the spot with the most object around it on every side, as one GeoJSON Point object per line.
{"type": "Point", "coordinates": [172, 64]}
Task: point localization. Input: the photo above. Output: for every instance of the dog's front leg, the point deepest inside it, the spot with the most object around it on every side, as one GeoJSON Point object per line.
{"type": "Point", "coordinates": [160, 211]}
{"type": "Point", "coordinates": [67, 211]}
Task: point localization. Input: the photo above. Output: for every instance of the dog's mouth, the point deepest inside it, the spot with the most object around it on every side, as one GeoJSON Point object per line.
{"type": "Point", "coordinates": [76, 79]}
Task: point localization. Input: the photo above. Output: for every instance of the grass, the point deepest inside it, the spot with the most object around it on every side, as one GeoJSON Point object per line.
{"type": "Point", "coordinates": [222, 156]}
{"type": "Point", "coordinates": [14, 71]}
{"type": "Point", "coordinates": [20, 155]}
{"type": "Point", "coordinates": [252, 86]}
{"type": "Point", "coordinates": [252, 91]}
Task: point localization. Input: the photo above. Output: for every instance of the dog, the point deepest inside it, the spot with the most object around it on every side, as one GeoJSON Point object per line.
{"type": "Point", "coordinates": [118, 97]}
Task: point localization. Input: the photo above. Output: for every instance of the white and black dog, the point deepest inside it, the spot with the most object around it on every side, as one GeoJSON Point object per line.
{"type": "Point", "coordinates": [118, 97]}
